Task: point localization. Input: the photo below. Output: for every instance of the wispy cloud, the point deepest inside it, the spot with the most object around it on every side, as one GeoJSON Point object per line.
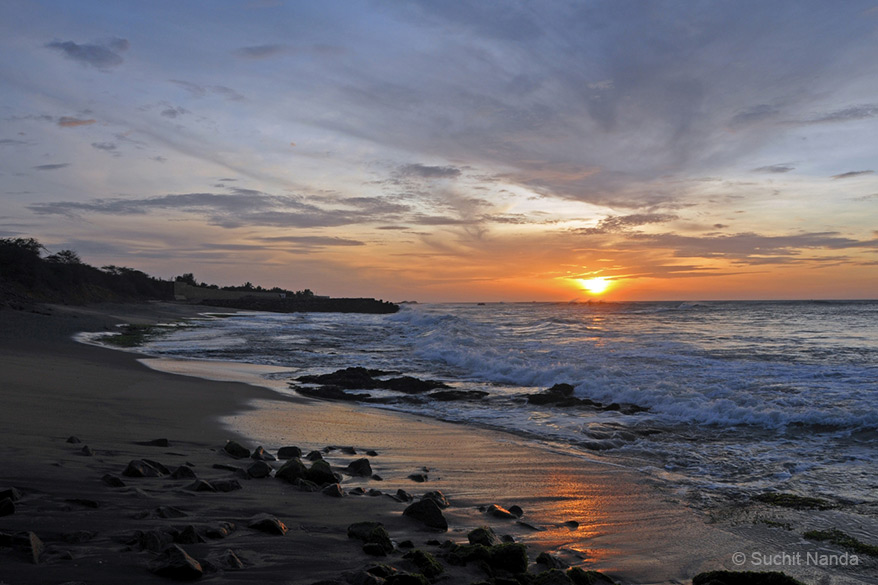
{"type": "Point", "coordinates": [775, 169]}
{"type": "Point", "coordinates": [852, 174]}
{"type": "Point", "coordinates": [261, 51]}
{"type": "Point", "coordinates": [101, 55]}
{"type": "Point", "coordinates": [430, 172]}
{"type": "Point", "coordinates": [70, 122]}
{"type": "Point", "coordinates": [51, 167]}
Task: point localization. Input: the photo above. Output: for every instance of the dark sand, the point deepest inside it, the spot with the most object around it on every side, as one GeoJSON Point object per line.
{"type": "Point", "coordinates": [53, 387]}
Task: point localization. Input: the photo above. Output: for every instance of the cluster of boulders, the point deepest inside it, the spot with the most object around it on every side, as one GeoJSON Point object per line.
{"type": "Point", "coordinates": [337, 386]}
{"type": "Point", "coordinates": [561, 395]}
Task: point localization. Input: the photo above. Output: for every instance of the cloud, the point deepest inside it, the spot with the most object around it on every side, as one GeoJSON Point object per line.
{"type": "Point", "coordinates": [68, 122]}
{"type": "Point", "coordinates": [772, 169]}
{"type": "Point", "coordinates": [197, 90]}
{"type": "Point", "coordinates": [852, 174]}
{"type": "Point", "coordinates": [107, 146]}
{"type": "Point", "coordinates": [12, 142]}
{"type": "Point", "coordinates": [99, 55]}
{"type": "Point", "coordinates": [623, 223]}
{"type": "Point", "coordinates": [174, 112]}
{"type": "Point", "coordinates": [314, 241]}
{"type": "Point", "coordinates": [51, 167]}
{"type": "Point", "coordinates": [428, 172]}
{"type": "Point", "coordinates": [260, 51]}
{"type": "Point", "coordinates": [853, 113]}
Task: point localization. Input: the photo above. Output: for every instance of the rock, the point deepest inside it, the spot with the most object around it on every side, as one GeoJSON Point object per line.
{"type": "Point", "coordinates": [406, 579]}
{"type": "Point", "coordinates": [188, 536]}
{"type": "Point", "coordinates": [373, 493]}
{"type": "Point", "coordinates": [550, 561]}
{"type": "Point", "coordinates": [500, 512]}
{"type": "Point", "coordinates": [183, 472]}
{"type": "Point", "coordinates": [221, 530]}
{"type": "Point", "coordinates": [84, 502]}
{"type": "Point", "coordinates": [347, 450]}
{"type": "Point", "coordinates": [78, 537]}
{"type": "Point", "coordinates": [572, 524]}
{"type": "Point", "coordinates": [142, 468]}
{"type": "Point", "coordinates": [428, 513]}
{"type": "Point", "coordinates": [170, 512]}
{"type": "Point", "coordinates": [372, 453]}
{"type": "Point", "coordinates": [161, 468]}
{"type": "Point", "coordinates": [35, 547]}
{"type": "Point", "coordinates": [357, 491]}
{"type": "Point", "coordinates": [334, 490]}
{"type": "Point", "coordinates": [236, 450]}
{"type": "Point", "coordinates": [7, 507]}
{"type": "Point", "coordinates": [154, 443]}
{"type": "Point", "coordinates": [377, 477]}
{"type": "Point", "coordinates": [483, 535]}
{"type": "Point", "coordinates": [289, 453]}
{"type": "Point", "coordinates": [786, 500]}
{"type": "Point", "coordinates": [261, 454]}
{"type": "Point", "coordinates": [450, 395]}
{"type": "Point", "coordinates": [87, 451]}
{"type": "Point", "coordinates": [225, 467]}
{"type": "Point", "coordinates": [556, 393]}
{"type": "Point", "coordinates": [516, 511]}
{"type": "Point", "coordinates": [437, 497]}
{"type": "Point", "coordinates": [373, 549]}
{"type": "Point", "coordinates": [314, 455]}
{"type": "Point", "coordinates": [371, 533]}
{"type": "Point", "coordinates": [365, 578]}
{"type": "Point", "coordinates": [306, 486]}
{"type": "Point", "coordinates": [359, 468]}
{"type": "Point", "coordinates": [510, 557]}
{"type": "Point", "coordinates": [321, 473]}
{"type": "Point", "coordinates": [410, 385]}
{"type": "Point", "coordinates": [112, 481]}
{"type": "Point", "coordinates": [268, 524]}
{"type": "Point", "coordinates": [744, 578]}
{"type": "Point", "coordinates": [418, 477]}
{"type": "Point", "coordinates": [229, 560]}
{"type": "Point", "coordinates": [11, 493]}
{"type": "Point", "coordinates": [292, 470]}
{"type": "Point", "coordinates": [259, 470]}
{"type": "Point", "coordinates": [552, 577]}
{"type": "Point", "coordinates": [74, 440]}
{"type": "Point", "coordinates": [582, 577]}
{"type": "Point", "coordinates": [427, 565]}
{"type": "Point", "coordinates": [226, 485]}
{"type": "Point", "coordinates": [175, 563]}
{"type": "Point", "coordinates": [200, 485]}
{"type": "Point", "coordinates": [403, 496]}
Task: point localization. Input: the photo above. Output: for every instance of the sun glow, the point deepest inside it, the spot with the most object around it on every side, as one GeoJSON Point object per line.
{"type": "Point", "coordinates": [594, 286]}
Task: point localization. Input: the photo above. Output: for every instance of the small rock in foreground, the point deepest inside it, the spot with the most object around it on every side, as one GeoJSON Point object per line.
{"type": "Point", "coordinates": [175, 563]}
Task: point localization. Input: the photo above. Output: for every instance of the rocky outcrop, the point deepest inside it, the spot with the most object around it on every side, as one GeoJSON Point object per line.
{"type": "Point", "coordinates": [428, 513]}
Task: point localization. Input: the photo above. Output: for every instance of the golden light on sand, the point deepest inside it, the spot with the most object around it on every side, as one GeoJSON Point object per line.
{"type": "Point", "coordinates": [594, 286]}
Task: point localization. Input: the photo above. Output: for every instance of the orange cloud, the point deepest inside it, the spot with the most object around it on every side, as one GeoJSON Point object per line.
{"type": "Point", "coordinates": [68, 122]}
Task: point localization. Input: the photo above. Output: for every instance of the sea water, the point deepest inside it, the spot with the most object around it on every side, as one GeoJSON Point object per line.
{"type": "Point", "coordinates": [734, 398]}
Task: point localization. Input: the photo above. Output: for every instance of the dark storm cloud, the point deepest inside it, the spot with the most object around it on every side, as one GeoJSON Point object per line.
{"type": "Point", "coordinates": [775, 169]}
{"type": "Point", "coordinates": [51, 167]}
{"type": "Point", "coordinates": [100, 55]}
{"type": "Point", "coordinates": [430, 172]}
{"type": "Point", "coordinates": [852, 174]}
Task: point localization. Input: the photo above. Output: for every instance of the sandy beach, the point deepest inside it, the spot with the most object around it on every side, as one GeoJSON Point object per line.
{"type": "Point", "coordinates": [93, 528]}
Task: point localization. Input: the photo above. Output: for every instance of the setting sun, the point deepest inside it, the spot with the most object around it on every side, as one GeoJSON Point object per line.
{"type": "Point", "coordinates": [594, 286]}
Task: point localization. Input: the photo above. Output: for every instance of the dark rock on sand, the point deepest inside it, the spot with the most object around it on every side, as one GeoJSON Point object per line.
{"type": "Point", "coordinates": [555, 394]}
{"type": "Point", "coordinates": [426, 563]}
{"type": "Point", "coordinates": [483, 535]}
{"type": "Point", "coordinates": [35, 547]}
{"type": "Point", "coordinates": [87, 451]}
{"type": "Point", "coordinates": [11, 493]}
{"type": "Point", "coordinates": [170, 512]}
{"type": "Point", "coordinates": [259, 470]}
{"type": "Point", "coordinates": [226, 485]}
{"type": "Point", "coordinates": [155, 540]}
{"type": "Point", "coordinates": [375, 550]}
{"type": "Point", "coordinates": [261, 454]}
{"type": "Point", "coordinates": [402, 496]}
{"type": "Point", "coordinates": [510, 557]}
{"type": "Point", "coordinates": [321, 473]}
{"type": "Point", "coordinates": [516, 511]}
{"type": "Point", "coordinates": [550, 561]}
{"type": "Point", "coordinates": [372, 453]}
{"type": "Point", "coordinates": [229, 560]}
{"type": "Point", "coordinates": [74, 440]}
{"type": "Point", "coordinates": [188, 536]}
{"type": "Point", "coordinates": [112, 481]}
{"type": "Point", "coordinates": [7, 507]}
{"type": "Point", "coordinates": [360, 468]}
{"type": "Point", "coordinates": [161, 468]}
{"type": "Point", "coordinates": [84, 502]}
{"type": "Point", "coordinates": [144, 468]}
{"type": "Point", "coordinates": [500, 512]}
{"type": "Point", "coordinates": [289, 453]}
{"type": "Point", "coordinates": [356, 378]}
{"type": "Point", "coordinates": [371, 533]}
{"type": "Point", "coordinates": [410, 385]}
{"type": "Point", "coordinates": [175, 563]}
{"type": "Point", "coordinates": [553, 576]}
{"type": "Point", "coordinates": [572, 524]}
{"type": "Point", "coordinates": [183, 472]}
{"type": "Point", "coordinates": [219, 531]}
{"type": "Point", "coordinates": [236, 450]}
{"type": "Point", "coordinates": [744, 578]}
{"type": "Point", "coordinates": [419, 477]}
{"type": "Point", "coordinates": [450, 395]}
{"type": "Point", "coordinates": [292, 470]}
{"type": "Point", "coordinates": [268, 524]}
{"type": "Point", "coordinates": [78, 537]}
{"type": "Point", "coordinates": [437, 497]}
{"type": "Point", "coordinates": [357, 491]}
{"type": "Point", "coordinates": [427, 512]}
{"type": "Point", "coordinates": [200, 485]}
{"type": "Point", "coordinates": [334, 490]}
{"type": "Point", "coordinates": [406, 579]}
{"type": "Point", "coordinates": [225, 467]}
{"type": "Point", "coordinates": [582, 577]}
{"type": "Point", "coordinates": [314, 455]}
{"type": "Point", "coordinates": [794, 501]}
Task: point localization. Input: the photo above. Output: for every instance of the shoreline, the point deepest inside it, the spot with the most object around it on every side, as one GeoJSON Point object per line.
{"type": "Point", "coordinates": [622, 521]}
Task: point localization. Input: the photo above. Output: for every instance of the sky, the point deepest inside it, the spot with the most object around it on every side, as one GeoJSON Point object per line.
{"type": "Point", "coordinates": [451, 151]}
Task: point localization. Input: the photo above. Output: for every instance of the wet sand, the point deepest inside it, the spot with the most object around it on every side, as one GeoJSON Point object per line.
{"type": "Point", "coordinates": [589, 514]}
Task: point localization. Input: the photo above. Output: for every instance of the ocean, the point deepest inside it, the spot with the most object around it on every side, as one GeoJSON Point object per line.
{"type": "Point", "coordinates": [734, 398]}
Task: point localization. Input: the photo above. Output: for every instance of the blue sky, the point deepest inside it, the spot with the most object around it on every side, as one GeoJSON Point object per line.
{"type": "Point", "coordinates": [451, 150]}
